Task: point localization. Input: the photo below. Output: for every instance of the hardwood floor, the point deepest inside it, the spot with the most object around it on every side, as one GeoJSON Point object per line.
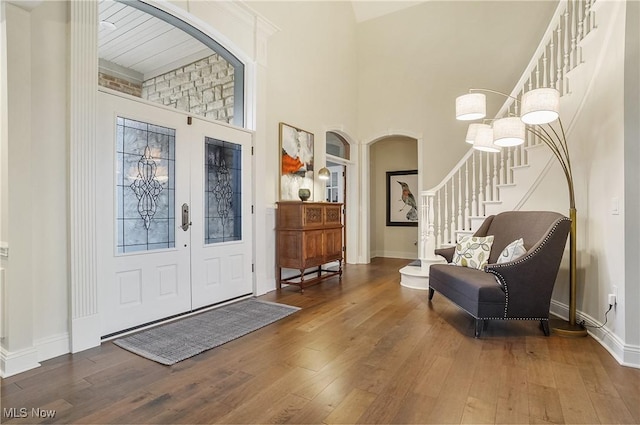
{"type": "Point", "coordinates": [366, 351]}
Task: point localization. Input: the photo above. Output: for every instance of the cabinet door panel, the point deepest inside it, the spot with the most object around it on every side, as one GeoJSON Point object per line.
{"type": "Point", "coordinates": [333, 215]}
{"type": "Point", "coordinates": [313, 248]}
{"type": "Point", "coordinates": [333, 244]}
{"type": "Point", "coordinates": [290, 249]}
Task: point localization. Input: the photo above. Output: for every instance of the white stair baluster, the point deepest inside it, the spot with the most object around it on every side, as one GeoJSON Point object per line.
{"type": "Point", "coordinates": [446, 216]}
{"type": "Point", "coordinates": [545, 76]}
{"type": "Point", "coordinates": [453, 225]}
{"type": "Point", "coordinates": [510, 164]}
{"type": "Point", "coordinates": [580, 32]}
{"type": "Point", "coordinates": [572, 52]}
{"type": "Point", "coordinates": [467, 213]}
{"type": "Point", "coordinates": [439, 228]}
{"type": "Point", "coordinates": [559, 76]}
{"type": "Point", "coordinates": [474, 188]}
{"type": "Point", "coordinates": [460, 223]}
{"type": "Point", "coordinates": [494, 182]}
{"type": "Point", "coordinates": [488, 192]}
{"type": "Point", "coordinates": [552, 70]}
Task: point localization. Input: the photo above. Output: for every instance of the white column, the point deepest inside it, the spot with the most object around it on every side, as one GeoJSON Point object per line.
{"type": "Point", "coordinates": [83, 80]}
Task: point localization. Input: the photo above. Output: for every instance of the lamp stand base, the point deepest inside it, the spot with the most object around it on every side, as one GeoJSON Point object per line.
{"type": "Point", "coordinates": [566, 329]}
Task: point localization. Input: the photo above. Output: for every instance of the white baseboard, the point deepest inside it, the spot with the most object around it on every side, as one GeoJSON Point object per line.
{"type": "Point", "coordinates": [85, 333]}
{"type": "Point", "coordinates": [14, 362]}
{"type": "Point", "coordinates": [395, 254]}
{"type": "Point", "coordinates": [53, 346]}
{"type": "Point", "coordinates": [625, 354]}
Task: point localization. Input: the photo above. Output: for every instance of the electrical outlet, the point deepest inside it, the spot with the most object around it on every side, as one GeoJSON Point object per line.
{"type": "Point", "coordinates": [612, 299]}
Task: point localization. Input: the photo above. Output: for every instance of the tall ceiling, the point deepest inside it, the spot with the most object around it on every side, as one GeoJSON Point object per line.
{"type": "Point", "coordinates": [365, 10]}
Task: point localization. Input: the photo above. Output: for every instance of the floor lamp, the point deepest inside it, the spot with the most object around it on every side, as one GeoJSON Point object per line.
{"type": "Point", "coordinates": [538, 109]}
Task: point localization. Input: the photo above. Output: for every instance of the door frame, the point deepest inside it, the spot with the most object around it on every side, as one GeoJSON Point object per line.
{"type": "Point", "coordinates": [84, 318]}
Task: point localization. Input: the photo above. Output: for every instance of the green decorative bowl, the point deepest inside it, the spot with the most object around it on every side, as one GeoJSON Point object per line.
{"type": "Point", "coordinates": [304, 194]}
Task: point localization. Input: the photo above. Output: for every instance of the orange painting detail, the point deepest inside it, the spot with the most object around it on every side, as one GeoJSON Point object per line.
{"type": "Point", "coordinates": [290, 165]}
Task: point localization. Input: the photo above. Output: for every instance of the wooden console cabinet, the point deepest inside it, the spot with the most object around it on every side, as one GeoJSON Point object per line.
{"type": "Point", "coordinates": [308, 235]}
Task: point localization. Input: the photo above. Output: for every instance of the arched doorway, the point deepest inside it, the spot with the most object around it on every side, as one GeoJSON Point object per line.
{"type": "Point", "coordinates": [367, 185]}
{"type": "Point", "coordinates": [394, 219]}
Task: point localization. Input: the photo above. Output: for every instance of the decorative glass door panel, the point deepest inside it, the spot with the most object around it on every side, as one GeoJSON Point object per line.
{"type": "Point", "coordinates": [145, 180]}
{"type": "Point", "coordinates": [223, 191]}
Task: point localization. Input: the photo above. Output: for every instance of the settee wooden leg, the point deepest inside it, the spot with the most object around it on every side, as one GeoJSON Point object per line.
{"type": "Point", "coordinates": [544, 324]}
{"type": "Point", "coordinates": [431, 291]}
{"type": "Point", "coordinates": [479, 327]}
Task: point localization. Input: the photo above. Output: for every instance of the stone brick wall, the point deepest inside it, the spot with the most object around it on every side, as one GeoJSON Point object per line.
{"type": "Point", "coordinates": [118, 84]}
{"type": "Point", "coordinates": [202, 88]}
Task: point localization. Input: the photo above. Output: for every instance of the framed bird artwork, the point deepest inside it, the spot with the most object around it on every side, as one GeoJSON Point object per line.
{"type": "Point", "coordinates": [402, 198]}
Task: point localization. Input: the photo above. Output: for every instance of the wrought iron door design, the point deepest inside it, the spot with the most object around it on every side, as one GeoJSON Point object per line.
{"type": "Point", "coordinates": [145, 186]}
{"type": "Point", "coordinates": [223, 191]}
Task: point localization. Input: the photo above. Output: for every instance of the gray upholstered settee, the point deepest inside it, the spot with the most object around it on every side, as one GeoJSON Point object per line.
{"type": "Point", "coordinates": [526, 283]}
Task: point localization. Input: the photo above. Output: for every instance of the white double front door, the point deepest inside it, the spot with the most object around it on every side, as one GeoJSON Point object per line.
{"type": "Point", "coordinates": [174, 213]}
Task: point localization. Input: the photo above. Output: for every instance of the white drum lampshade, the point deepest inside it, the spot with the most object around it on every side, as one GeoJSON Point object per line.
{"type": "Point", "coordinates": [508, 131]}
{"type": "Point", "coordinates": [472, 131]}
{"type": "Point", "coordinates": [540, 106]}
{"type": "Point", "coordinates": [471, 106]}
{"type": "Point", "coordinates": [484, 140]}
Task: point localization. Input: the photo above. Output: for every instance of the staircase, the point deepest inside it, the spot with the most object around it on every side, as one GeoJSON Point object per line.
{"type": "Point", "coordinates": [482, 183]}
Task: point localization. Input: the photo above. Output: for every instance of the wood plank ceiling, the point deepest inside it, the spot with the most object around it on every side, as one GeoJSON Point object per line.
{"type": "Point", "coordinates": [143, 44]}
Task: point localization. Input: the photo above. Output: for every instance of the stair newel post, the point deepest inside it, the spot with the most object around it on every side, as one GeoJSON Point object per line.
{"type": "Point", "coordinates": [428, 255]}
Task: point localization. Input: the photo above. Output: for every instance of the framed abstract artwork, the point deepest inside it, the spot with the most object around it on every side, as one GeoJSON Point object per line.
{"type": "Point", "coordinates": [402, 200]}
{"type": "Point", "coordinates": [296, 162]}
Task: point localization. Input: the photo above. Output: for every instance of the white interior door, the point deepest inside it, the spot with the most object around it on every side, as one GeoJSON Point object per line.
{"type": "Point", "coordinates": [164, 247]}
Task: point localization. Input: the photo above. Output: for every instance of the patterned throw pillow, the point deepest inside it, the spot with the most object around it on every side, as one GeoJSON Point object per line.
{"type": "Point", "coordinates": [512, 252]}
{"type": "Point", "coordinates": [473, 252]}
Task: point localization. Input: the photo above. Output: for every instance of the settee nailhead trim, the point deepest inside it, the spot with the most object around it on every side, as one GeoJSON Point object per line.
{"type": "Point", "coordinates": [492, 269]}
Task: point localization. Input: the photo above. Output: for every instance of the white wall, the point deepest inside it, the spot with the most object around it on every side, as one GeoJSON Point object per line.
{"type": "Point", "coordinates": [412, 64]}
{"type": "Point", "coordinates": [49, 159]}
{"type": "Point", "coordinates": [37, 214]}
{"type": "Point", "coordinates": [311, 76]}
{"type": "Point", "coordinates": [632, 174]}
{"type": "Point", "coordinates": [597, 142]}
{"type": "Point", "coordinates": [19, 287]}
{"type": "Point", "coordinates": [390, 154]}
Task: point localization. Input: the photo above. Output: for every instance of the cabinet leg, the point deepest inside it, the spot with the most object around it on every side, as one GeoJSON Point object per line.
{"type": "Point", "coordinates": [302, 281]}
{"type": "Point", "coordinates": [279, 274]}
{"type": "Point", "coordinates": [340, 270]}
